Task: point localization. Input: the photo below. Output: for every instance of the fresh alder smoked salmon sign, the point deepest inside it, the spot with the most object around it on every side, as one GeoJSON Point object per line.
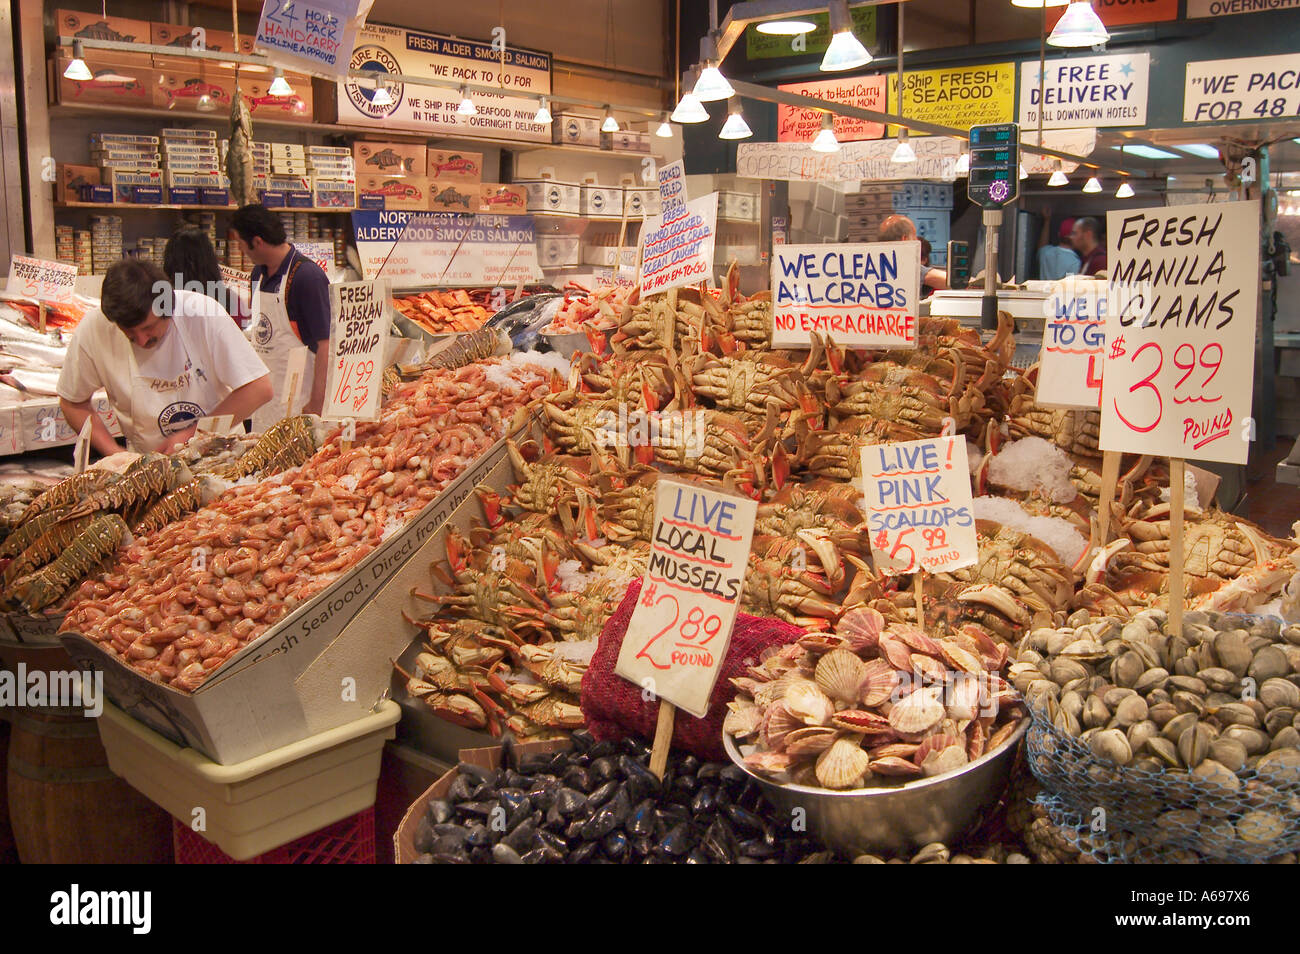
{"type": "Point", "coordinates": [680, 629]}
{"type": "Point", "coordinates": [1180, 331]}
{"type": "Point", "coordinates": [919, 510]}
{"type": "Point", "coordinates": [865, 296]}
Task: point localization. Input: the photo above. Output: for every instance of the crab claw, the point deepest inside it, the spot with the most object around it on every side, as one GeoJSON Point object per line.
{"type": "Point", "coordinates": [596, 339]}
{"type": "Point", "coordinates": [491, 501]}
{"type": "Point", "coordinates": [780, 466]}
{"type": "Point", "coordinates": [1097, 568]}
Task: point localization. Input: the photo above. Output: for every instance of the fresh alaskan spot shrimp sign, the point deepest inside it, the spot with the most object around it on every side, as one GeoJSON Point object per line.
{"type": "Point", "coordinates": [863, 296]}
{"type": "Point", "coordinates": [1180, 331]}
{"type": "Point", "coordinates": [360, 320]}
{"type": "Point", "coordinates": [919, 510]}
{"type": "Point", "coordinates": [681, 627]}
{"type": "Point", "coordinates": [679, 246]}
{"type": "Point", "coordinates": [1074, 344]}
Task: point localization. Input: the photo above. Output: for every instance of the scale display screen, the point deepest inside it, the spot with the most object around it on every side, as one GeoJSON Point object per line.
{"type": "Point", "coordinates": [994, 165]}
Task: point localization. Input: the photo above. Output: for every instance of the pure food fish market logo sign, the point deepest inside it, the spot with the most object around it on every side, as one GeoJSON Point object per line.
{"type": "Point", "coordinates": [374, 59]}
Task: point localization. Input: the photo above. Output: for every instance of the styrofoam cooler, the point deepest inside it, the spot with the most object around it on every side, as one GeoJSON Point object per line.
{"type": "Point", "coordinates": [601, 200]}
{"type": "Point", "coordinates": [551, 195]}
{"type": "Point", "coordinates": [254, 806]}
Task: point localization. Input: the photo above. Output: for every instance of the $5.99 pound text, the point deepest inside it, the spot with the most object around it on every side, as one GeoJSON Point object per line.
{"type": "Point", "coordinates": [935, 539]}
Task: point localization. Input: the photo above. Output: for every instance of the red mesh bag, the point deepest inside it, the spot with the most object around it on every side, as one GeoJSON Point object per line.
{"type": "Point", "coordinates": [613, 706]}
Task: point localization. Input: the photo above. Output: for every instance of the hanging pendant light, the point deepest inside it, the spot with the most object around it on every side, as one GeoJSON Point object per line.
{"type": "Point", "coordinates": [1058, 177]}
{"type": "Point", "coordinates": [845, 51]}
{"type": "Point", "coordinates": [962, 167]}
{"type": "Point", "coordinates": [382, 96]}
{"type": "Point", "coordinates": [1092, 185]}
{"type": "Point", "coordinates": [825, 140]}
{"type": "Point", "coordinates": [1024, 173]}
{"type": "Point", "coordinates": [664, 131]}
{"type": "Point", "coordinates": [77, 68]}
{"type": "Point", "coordinates": [466, 107]}
{"type": "Point", "coordinates": [690, 110]}
{"type": "Point", "coordinates": [735, 127]}
{"type": "Point", "coordinates": [903, 152]}
{"type": "Point", "coordinates": [787, 27]}
{"type": "Point", "coordinates": [280, 86]}
{"type": "Point", "coordinates": [1125, 191]}
{"type": "Point", "coordinates": [610, 125]}
{"type": "Point", "coordinates": [1079, 26]}
{"type": "Point", "coordinates": [543, 112]}
{"type": "Point", "coordinates": [711, 86]}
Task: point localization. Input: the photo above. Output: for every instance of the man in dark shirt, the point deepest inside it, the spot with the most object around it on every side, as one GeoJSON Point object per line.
{"type": "Point", "coordinates": [1086, 239]}
{"type": "Point", "coordinates": [262, 239]}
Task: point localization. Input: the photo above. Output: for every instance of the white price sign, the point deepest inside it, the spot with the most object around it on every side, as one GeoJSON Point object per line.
{"type": "Point", "coordinates": [919, 510]}
{"type": "Point", "coordinates": [1088, 91]}
{"type": "Point", "coordinates": [681, 627]}
{"type": "Point", "coordinates": [1074, 344]}
{"type": "Point", "coordinates": [1245, 90]}
{"type": "Point", "coordinates": [864, 296]}
{"type": "Point", "coordinates": [322, 253]}
{"type": "Point", "coordinates": [1180, 331]}
{"type": "Point", "coordinates": [672, 187]}
{"type": "Point", "coordinates": [678, 246]}
{"type": "Point", "coordinates": [41, 280]}
{"type": "Point", "coordinates": [359, 329]}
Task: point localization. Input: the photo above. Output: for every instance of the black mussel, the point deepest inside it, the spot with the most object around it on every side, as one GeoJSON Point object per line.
{"type": "Point", "coordinates": [512, 798]}
{"type": "Point", "coordinates": [535, 763]}
{"type": "Point", "coordinates": [679, 840]}
{"type": "Point", "coordinates": [560, 761]}
{"type": "Point", "coordinates": [450, 844]}
{"type": "Point", "coordinates": [637, 748]}
{"type": "Point", "coordinates": [425, 859]}
{"type": "Point", "coordinates": [603, 794]}
{"type": "Point", "coordinates": [745, 819]}
{"type": "Point", "coordinates": [448, 858]}
{"type": "Point", "coordinates": [582, 740]}
{"type": "Point", "coordinates": [543, 855]}
{"type": "Point", "coordinates": [439, 810]}
{"type": "Point", "coordinates": [734, 774]}
{"type": "Point", "coordinates": [477, 836]}
{"type": "Point", "coordinates": [640, 780]}
{"type": "Point", "coordinates": [684, 786]}
{"type": "Point", "coordinates": [542, 794]}
{"type": "Point", "coordinates": [460, 790]}
{"type": "Point", "coordinates": [642, 845]}
{"type": "Point", "coordinates": [697, 857]}
{"type": "Point", "coordinates": [522, 838]}
{"type": "Point", "coordinates": [553, 840]}
{"type": "Point", "coordinates": [601, 749]}
{"type": "Point", "coordinates": [482, 809]}
{"type": "Point", "coordinates": [517, 817]}
{"type": "Point", "coordinates": [642, 819]}
{"type": "Point", "coordinates": [481, 855]}
{"type": "Point", "coordinates": [688, 765]}
{"type": "Point", "coordinates": [705, 800]}
{"type": "Point", "coordinates": [657, 859]}
{"type": "Point", "coordinates": [673, 814]}
{"type": "Point", "coordinates": [709, 771]}
{"type": "Point", "coordinates": [575, 828]}
{"type": "Point", "coordinates": [615, 845]}
{"type": "Point", "coordinates": [756, 848]}
{"type": "Point", "coordinates": [569, 800]}
{"type": "Point", "coordinates": [584, 853]}
{"type": "Point", "coordinates": [477, 773]}
{"type": "Point", "coordinates": [577, 777]}
{"type": "Point", "coordinates": [513, 779]}
{"type": "Point", "coordinates": [608, 817]}
{"type": "Point", "coordinates": [503, 854]}
{"type": "Point", "coordinates": [720, 843]}
{"type": "Point", "coordinates": [424, 837]}
{"type": "Point", "coordinates": [603, 769]}
{"type": "Point", "coordinates": [554, 820]}
{"type": "Point", "coordinates": [746, 860]}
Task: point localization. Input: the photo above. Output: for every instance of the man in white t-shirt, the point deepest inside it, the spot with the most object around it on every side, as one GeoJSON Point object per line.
{"type": "Point", "coordinates": [166, 357]}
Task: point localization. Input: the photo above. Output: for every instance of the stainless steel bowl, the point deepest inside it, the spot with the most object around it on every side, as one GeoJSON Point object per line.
{"type": "Point", "coordinates": [896, 819]}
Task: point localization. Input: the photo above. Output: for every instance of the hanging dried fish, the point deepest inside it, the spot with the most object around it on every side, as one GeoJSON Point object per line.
{"type": "Point", "coordinates": [239, 157]}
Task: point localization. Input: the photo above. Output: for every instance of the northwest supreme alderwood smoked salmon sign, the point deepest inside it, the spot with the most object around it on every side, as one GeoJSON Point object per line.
{"type": "Point", "coordinates": [864, 296]}
{"type": "Point", "coordinates": [1180, 331]}
{"type": "Point", "coordinates": [919, 510]}
{"type": "Point", "coordinates": [680, 629]}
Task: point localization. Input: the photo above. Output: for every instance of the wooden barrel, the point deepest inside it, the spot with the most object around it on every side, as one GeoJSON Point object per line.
{"type": "Point", "coordinates": [66, 807]}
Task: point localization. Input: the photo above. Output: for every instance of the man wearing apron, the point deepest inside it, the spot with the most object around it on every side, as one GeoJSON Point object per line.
{"type": "Point", "coordinates": [291, 313]}
{"type": "Point", "coordinates": [165, 357]}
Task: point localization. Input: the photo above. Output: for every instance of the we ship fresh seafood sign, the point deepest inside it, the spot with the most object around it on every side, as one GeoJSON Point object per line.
{"type": "Point", "coordinates": [864, 296]}
{"type": "Point", "coordinates": [679, 632]}
{"type": "Point", "coordinates": [679, 246]}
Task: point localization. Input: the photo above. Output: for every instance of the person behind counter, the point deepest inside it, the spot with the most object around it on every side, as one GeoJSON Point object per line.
{"type": "Point", "coordinates": [1086, 239]}
{"type": "Point", "coordinates": [291, 311]}
{"type": "Point", "coordinates": [191, 263]}
{"type": "Point", "coordinates": [1057, 261]}
{"type": "Point", "coordinates": [899, 228]}
{"type": "Point", "coordinates": [166, 357]}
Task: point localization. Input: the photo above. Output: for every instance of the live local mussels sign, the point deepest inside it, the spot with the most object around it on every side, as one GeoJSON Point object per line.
{"type": "Point", "coordinates": [446, 248]}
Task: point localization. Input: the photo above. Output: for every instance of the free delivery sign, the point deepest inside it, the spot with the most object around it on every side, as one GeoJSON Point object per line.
{"type": "Point", "coordinates": [863, 296]}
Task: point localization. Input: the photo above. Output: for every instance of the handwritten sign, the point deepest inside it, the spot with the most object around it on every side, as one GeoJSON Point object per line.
{"type": "Point", "coordinates": [312, 35]}
{"type": "Point", "coordinates": [1088, 91]}
{"type": "Point", "coordinates": [936, 159]}
{"type": "Point", "coordinates": [446, 248]}
{"type": "Point", "coordinates": [361, 319]}
{"type": "Point", "coordinates": [672, 188]}
{"type": "Point", "coordinates": [795, 124]}
{"type": "Point", "coordinates": [1245, 90]}
{"type": "Point", "coordinates": [41, 280]}
{"type": "Point", "coordinates": [322, 253]}
{"type": "Point", "coordinates": [864, 296]}
{"type": "Point", "coordinates": [962, 97]}
{"type": "Point", "coordinates": [1074, 344]}
{"type": "Point", "coordinates": [678, 247]}
{"type": "Point", "coordinates": [920, 514]}
{"type": "Point", "coordinates": [1180, 331]}
{"type": "Point", "coordinates": [680, 629]}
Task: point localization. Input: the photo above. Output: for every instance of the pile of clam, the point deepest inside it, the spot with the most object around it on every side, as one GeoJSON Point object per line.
{"type": "Point", "coordinates": [1192, 738]}
{"type": "Point", "coordinates": [871, 705]}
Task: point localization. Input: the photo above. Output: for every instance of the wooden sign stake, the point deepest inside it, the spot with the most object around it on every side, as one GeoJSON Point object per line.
{"type": "Point", "coordinates": [1177, 490]}
{"type": "Point", "coordinates": [1109, 478]}
{"type": "Point", "coordinates": [292, 398]}
{"type": "Point", "coordinates": [663, 738]}
{"type": "Point", "coordinates": [40, 317]}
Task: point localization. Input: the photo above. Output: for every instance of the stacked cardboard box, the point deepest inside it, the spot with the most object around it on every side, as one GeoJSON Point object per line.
{"type": "Point", "coordinates": [105, 241]}
{"type": "Point", "coordinates": [128, 153]}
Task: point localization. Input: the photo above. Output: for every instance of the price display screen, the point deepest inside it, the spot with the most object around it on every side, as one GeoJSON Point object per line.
{"type": "Point", "coordinates": [994, 165]}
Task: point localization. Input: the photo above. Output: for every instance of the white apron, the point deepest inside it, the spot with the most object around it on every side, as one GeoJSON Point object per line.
{"type": "Point", "coordinates": [274, 341]}
{"type": "Point", "coordinates": [155, 414]}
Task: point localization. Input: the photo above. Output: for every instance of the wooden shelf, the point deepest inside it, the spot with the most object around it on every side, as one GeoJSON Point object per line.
{"type": "Point", "coordinates": [575, 217]}
{"type": "Point", "coordinates": [139, 207]}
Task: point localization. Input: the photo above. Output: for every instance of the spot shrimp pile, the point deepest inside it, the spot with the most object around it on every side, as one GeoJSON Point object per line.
{"type": "Point", "coordinates": [183, 600]}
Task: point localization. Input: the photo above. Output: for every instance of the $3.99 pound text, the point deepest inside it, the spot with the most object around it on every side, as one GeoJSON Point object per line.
{"type": "Point", "coordinates": [935, 539]}
{"type": "Point", "coordinates": [354, 383]}
{"type": "Point", "coordinates": [1187, 360]}
{"type": "Point", "coordinates": [696, 622]}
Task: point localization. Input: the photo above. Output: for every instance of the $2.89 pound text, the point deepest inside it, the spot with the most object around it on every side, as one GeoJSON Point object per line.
{"type": "Point", "coordinates": [696, 622]}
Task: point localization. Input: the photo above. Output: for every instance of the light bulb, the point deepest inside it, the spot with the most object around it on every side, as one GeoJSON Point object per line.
{"type": "Point", "coordinates": [1058, 178]}
{"type": "Point", "coordinates": [382, 97]}
{"type": "Point", "coordinates": [664, 131]}
{"type": "Point", "coordinates": [963, 165]}
{"type": "Point", "coordinates": [1079, 26]}
{"type": "Point", "coordinates": [825, 140]}
{"type": "Point", "coordinates": [77, 69]}
{"type": "Point", "coordinates": [1125, 191]}
{"type": "Point", "coordinates": [789, 27]}
{"type": "Point", "coordinates": [543, 112]}
{"type": "Point", "coordinates": [735, 127]}
{"type": "Point", "coordinates": [903, 152]}
{"type": "Point", "coordinates": [845, 51]}
{"type": "Point", "coordinates": [280, 86]}
{"type": "Point", "coordinates": [1092, 185]}
{"type": "Point", "coordinates": [466, 107]}
{"type": "Point", "coordinates": [712, 85]}
{"type": "Point", "coordinates": [610, 125]}
{"type": "Point", "coordinates": [690, 110]}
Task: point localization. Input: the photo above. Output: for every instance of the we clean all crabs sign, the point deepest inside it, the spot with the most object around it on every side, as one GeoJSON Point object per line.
{"type": "Point", "coordinates": [863, 296]}
{"type": "Point", "coordinates": [681, 627]}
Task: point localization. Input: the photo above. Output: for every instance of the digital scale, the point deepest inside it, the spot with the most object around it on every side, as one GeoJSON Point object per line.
{"type": "Point", "coordinates": [994, 184]}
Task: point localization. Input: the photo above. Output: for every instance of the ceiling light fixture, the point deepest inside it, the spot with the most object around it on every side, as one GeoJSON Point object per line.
{"type": "Point", "coordinates": [690, 110]}
{"type": "Point", "coordinates": [711, 86]}
{"type": "Point", "coordinates": [610, 125]}
{"type": "Point", "coordinates": [665, 131]}
{"type": "Point", "coordinates": [735, 127]}
{"type": "Point", "coordinates": [1024, 173]}
{"type": "Point", "coordinates": [1079, 26]}
{"type": "Point", "coordinates": [382, 97]}
{"type": "Point", "coordinates": [1125, 191]}
{"type": "Point", "coordinates": [466, 107]}
{"type": "Point", "coordinates": [963, 165]}
{"type": "Point", "coordinates": [1058, 177]}
{"type": "Point", "coordinates": [903, 152]}
{"type": "Point", "coordinates": [543, 112]}
{"type": "Point", "coordinates": [825, 140]}
{"type": "Point", "coordinates": [785, 27]}
{"type": "Point", "coordinates": [280, 86]}
{"type": "Point", "coordinates": [845, 51]}
{"type": "Point", "coordinates": [1092, 185]}
{"type": "Point", "coordinates": [77, 69]}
